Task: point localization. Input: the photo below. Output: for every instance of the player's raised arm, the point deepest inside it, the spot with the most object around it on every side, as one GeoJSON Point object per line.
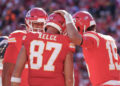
{"type": "Point", "coordinates": [68, 70]}
{"type": "Point", "coordinates": [72, 31]}
{"type": "Point", "coordinates": [11, 53]}
{"type": "Point", "coordinates": [21, 60]}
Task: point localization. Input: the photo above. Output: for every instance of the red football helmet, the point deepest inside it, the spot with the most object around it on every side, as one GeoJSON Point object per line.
{"type": "Point", "coordinates": [35, 15]}
{"type": "Point", "coordinates": [57, 21]}
{"type": "Point", "coordinates": [83, 20]}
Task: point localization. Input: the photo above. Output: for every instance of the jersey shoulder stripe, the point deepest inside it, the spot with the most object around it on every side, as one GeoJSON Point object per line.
{"type": "Point", "coordinates": [19, 31]}
{"type": "Point", "coordinates": [106, 37]}
{"type": "Point", "coordinates": [93, 36]}
{"type": "Point", "coordinates": [11, 40]}
{"type": "Point", "coordinates": [16, 34]}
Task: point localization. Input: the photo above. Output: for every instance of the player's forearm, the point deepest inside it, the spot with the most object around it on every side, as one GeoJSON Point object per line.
{"type": "Point", "coordinates": [68, 70]}
{"type": "Point", "coordinates": [72, 30]}
{"type": "Point", "coordinates": [69, 82]}
{"type": "Point", "coordinates": [7, 73]}
{"type": "Point", "coordinates": [6, 80]}
{"type": "Point", "coordinates": [73, 34]}
{"type": "Point", "coordinates": [15, 84]}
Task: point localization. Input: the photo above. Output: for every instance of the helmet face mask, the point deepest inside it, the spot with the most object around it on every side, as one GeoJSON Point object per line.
{"type": "Point", "coordinates": [83, 20]}
{"type": "Point", "coordinates": [36, 26]}
{"type": "Point", "coordinates": [35, 19]}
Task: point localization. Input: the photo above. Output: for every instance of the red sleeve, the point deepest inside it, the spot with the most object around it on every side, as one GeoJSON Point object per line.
{"type": "Point", "coordinates": [14, 46]}
{"type": "Point", "coordinates": [71, 46]}
{"type": "Point", "coordinates": [12, 38]}
{"type": "Point", "coordinates": [11, 54]}
{"type": "Point", "coordinates": [90, 41]}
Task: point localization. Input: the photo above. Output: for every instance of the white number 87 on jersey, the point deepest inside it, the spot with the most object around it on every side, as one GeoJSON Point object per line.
{"type": "Point", "coordinates": [39, 54]}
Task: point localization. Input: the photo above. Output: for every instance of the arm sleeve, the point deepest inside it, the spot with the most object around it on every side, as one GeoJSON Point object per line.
{"type": "Point", "coordinates": [12, 38]}
{"type": "Point", "coordinates": [11, 53]}
{"type": "Point", "coordinates": [72, 47]}
{"type": "Point", "coordinates": [14, 46]}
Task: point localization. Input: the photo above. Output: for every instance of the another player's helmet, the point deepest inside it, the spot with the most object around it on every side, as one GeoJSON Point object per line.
{"type": "Point", "coordinates": [83, 20]}
{"type": "Point", "coordinates": [35, 15]}
{"type": "Point", "coordinates": [3, 45]}
{"type": "Point", "coordinates": [57, 21]}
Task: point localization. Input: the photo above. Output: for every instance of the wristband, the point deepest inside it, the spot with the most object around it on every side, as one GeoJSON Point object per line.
{"type": "Point", "coordinates": [68, 18]}
{"type": "Point", "coordinates": [15, 79]}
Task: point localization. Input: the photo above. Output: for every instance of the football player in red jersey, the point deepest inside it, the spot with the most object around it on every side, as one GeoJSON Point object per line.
{"type": "Point", "coordinates": [49, 56]}
{"type": "Point", "coordinates": [100, 51]}
{"type": "Point", "coordinates": [35, 20]}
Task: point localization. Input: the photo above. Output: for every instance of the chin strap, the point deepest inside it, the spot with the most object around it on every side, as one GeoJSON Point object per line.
{"type": "Point", "coordinates": [84, 28]}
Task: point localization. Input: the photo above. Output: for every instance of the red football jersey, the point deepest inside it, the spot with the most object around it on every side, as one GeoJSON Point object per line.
{"type": "Point", "coordinates": [46, 54]}
{"type": "Point", "coordinates": [100, 53]}
{"type": "Point", "coordinates": [12, 51]}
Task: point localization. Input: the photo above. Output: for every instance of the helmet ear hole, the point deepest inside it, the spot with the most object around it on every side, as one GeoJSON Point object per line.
{"type": "Point", "coordinates": [91, 28]}
{"type": "Point", "coordinates": [78, 29]}
{"type": "Point", "coordinates": [45, 29]}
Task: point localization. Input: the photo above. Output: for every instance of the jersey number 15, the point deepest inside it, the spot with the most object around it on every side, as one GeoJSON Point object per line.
{"type": "Point", "coordinates": [112, 51]}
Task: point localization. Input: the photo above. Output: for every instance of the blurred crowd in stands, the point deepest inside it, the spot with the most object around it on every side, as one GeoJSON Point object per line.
{"type": "Point", "coordinates": [105, 12]}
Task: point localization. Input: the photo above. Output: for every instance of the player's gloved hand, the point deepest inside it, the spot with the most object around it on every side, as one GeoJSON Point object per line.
{"type": "Point", "coordinates": [66, 15]}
